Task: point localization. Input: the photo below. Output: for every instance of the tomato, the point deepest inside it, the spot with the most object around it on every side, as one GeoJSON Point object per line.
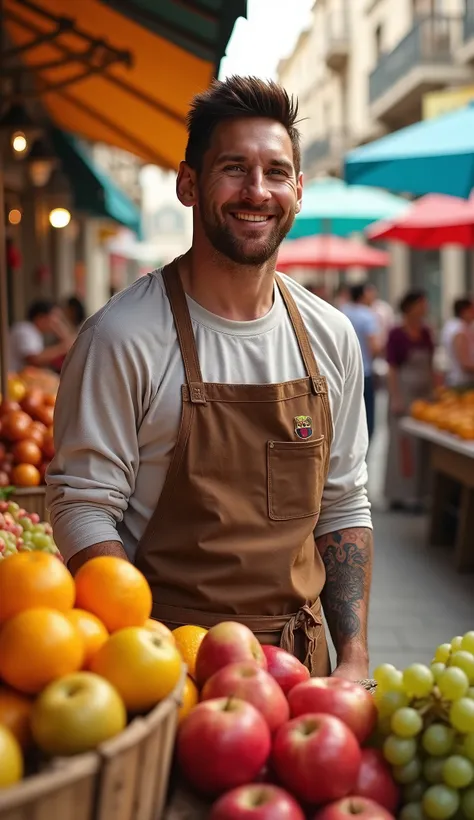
{"type": "Point", "coordinates": [48, 446]}
{"type": "Point", "coordinates": [25, 475]}
{"type": "Point", "coordinates": [27, 452]}
{"type": "Point", "coordinates": [45, 414]}
{"type": "Point", "coordinates": [33, 401]}
{"type": "Point", "coordinates": [7, 406]}
{"type": "Point", "coordinates": [16, 425]}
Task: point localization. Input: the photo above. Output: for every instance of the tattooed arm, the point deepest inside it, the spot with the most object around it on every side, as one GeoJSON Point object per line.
{"type": "Point", "coordinates": [347, 557]}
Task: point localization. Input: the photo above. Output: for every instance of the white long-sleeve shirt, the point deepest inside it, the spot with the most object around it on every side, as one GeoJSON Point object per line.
{"type": "Point", "coordinates": [119, 406]}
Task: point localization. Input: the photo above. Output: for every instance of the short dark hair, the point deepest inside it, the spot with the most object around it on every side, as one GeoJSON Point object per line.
{"type": "Point", "coordinates": [77, 309]}
{"type": "Point", "coordinates": [357, 291]}
{"type": "Point", "coordinates": [460, 305]}
{"type": "Point", "coordinates": [234, 98]}
{"type": "Point", "coordinates": [43, 307]}
{"type": "Point", "coordinates": [410, 299]}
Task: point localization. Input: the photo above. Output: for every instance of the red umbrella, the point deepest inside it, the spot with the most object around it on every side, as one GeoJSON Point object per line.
{"type": "Point", "coordinates": [431, 221]}
{"type": "Point", "coordinates": [324, 251]}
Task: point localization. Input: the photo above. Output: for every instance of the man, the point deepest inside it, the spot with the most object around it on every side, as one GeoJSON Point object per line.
{"type": "Point", "coordinates": [384, 313]}
{"type": "Point", "coordinates": [27, 345]}
{"type": "Point", "coordinates": [458, 343]}
{"type": "Point", "coordinates": [209, 423]}
{"type": "Point", "coordinates": [366, 326]}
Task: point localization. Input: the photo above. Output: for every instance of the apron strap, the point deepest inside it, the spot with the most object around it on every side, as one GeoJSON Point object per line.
{"type": "Point", "coordinates": [185, 332]}
{"type": "Point", "coordinates": [318, 383]}
{"type": "Point", "coordinates": [306, 620]}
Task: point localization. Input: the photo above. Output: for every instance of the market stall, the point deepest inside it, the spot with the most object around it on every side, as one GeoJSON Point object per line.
{"type": "Point", "coordinates": [452, 464]}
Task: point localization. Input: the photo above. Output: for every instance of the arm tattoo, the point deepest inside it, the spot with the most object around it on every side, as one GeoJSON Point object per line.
{"type": "Point", "coordinates": [347, 556]}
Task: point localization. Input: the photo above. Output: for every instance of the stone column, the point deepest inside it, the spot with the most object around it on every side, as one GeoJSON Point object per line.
{"type": "Point", "coordinates": [452, 277]}
{"type": "Point", "coordinates": [97, 273]}
{"type": "Point", "coordinates": [398, 272]}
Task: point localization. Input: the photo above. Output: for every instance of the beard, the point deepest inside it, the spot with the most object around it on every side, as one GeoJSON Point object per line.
{"type": "Point", "coordinates": [253, 251]}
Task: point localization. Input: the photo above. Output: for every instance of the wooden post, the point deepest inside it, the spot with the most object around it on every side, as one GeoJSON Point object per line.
{"type": "Point", "coordinates": [3, 258]}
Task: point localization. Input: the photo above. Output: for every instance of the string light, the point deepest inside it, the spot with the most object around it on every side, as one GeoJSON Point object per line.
{"type": "Point", "coordinates": [19, 142]}
{"type": "Point", "coordinates": [59, 217]}
{"type": "Point", "coordinates": [14, 216]}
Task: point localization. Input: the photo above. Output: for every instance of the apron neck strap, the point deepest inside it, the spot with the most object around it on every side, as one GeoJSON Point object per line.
{"type": "Point", "coordinates": [301, 334]}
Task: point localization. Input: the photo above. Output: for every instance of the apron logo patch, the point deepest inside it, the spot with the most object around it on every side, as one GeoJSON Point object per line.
{"type": "Point", "coordinates": [303, 426]}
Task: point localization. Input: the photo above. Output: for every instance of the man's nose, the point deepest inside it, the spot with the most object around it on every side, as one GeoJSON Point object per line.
{"type": "Point", "coordinates": [255, 189]}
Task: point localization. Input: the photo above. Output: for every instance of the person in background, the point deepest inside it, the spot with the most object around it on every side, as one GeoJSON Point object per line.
{"type": "Point", "coordinates": [27, 339]}
{"type": "Point", "coordinates": [75, 312]}
{"type": "Point", "coordinates": [458, 342]}
{"type": "Point", "coordinates": [410, 350]}
{"type": "Point", "coordinates": [383, 311]}
{"type": "Point", "coordinates": [342, 296]}
{"type": "Point", "coordinates": [365, 324]}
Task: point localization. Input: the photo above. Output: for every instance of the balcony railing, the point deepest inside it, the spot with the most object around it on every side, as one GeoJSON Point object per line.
{"type": "Point", "coordinates": [332, 146]}
{"type": "Point", "coordinates": [432, 40]}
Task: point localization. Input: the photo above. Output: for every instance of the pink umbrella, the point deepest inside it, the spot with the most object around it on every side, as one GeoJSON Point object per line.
{"type": "Point", "coordinates": [432, 221]}
{"type": "Point", "coordinates": [324, 251]}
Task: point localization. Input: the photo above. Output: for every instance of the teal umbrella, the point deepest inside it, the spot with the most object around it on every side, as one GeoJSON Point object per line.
{"type": "Point", "coordinates": [432, 156]}
{"type": "Point", "coordinates": [332, 207]}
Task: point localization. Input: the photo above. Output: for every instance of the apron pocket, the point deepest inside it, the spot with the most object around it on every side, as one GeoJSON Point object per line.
{"type": "Point", "coordinates": [295, 478]}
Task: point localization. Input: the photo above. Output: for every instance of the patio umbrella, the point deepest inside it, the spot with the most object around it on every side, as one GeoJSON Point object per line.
{"type": "Point", "coordinates": [332, 207]}
{"type": "Point", "coordinates": [432, 221]}
{"type": "Point", "coordinates": [329, 252]}
{"type": "Point", "coordinates": [432, 156]}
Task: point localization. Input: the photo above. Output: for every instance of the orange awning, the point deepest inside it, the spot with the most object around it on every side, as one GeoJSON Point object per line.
{"type": "Point", "coordinates": [137, 102]}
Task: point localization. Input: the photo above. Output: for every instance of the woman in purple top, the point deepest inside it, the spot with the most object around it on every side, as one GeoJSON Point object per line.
{"type": "Point", "coordinates": [410, 358]}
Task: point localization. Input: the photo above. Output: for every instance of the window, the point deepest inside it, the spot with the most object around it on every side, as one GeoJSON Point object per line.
{"type": "Point", "coordinates": [378, 41]}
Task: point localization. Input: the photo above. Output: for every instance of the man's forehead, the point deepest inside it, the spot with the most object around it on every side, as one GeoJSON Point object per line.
{"type": "Point", "coordinates": [251, 136]}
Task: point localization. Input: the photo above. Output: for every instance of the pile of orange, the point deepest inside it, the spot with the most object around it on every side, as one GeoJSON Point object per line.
{"type": "Point", "coordinates": [97, 625]}
{"type": "Point", "coordinates": [452, 412]}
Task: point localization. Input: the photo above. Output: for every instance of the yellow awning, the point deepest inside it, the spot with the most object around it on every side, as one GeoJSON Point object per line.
{"type": "Point", "coordinates": [138, 102]}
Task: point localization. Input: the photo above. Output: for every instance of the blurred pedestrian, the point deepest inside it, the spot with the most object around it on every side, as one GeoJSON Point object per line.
{"type": "Point", "coordinates": [384, 312]}
{"type": "Point", "coordinates": [75, 312]}
{"type": "Point", "coordinates": [410, 350]}
{"type": "Point", "coordinates": [342, 296]}
{"type": "Point", "coordinates": [457, 339]}
{"type": "Point", "coordinates": [28, 338]}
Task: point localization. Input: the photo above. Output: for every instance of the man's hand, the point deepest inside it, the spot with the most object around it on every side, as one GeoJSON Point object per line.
{"type": "Point", "coordinates": [347, 556]}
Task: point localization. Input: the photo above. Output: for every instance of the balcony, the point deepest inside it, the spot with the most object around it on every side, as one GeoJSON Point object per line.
{"type": "Point", "coordinates": [466, 52]}
{"type": "Point", "coordinates": [337, 38]}
{"type": "Point", "coordinates": [423, 61]}
{"type": "Point", "coordinates": [325, 155]}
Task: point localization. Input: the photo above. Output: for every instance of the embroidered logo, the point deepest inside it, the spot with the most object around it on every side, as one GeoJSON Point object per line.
{"type": "Point", "coordinates": [303, 426]}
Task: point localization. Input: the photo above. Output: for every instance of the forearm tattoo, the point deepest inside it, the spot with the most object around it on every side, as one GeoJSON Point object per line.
{"type": "Point", "coordinates": [347, 556]}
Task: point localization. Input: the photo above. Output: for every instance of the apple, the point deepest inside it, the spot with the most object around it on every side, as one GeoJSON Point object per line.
{"type": "Point", "coordinates": [375, 781]}
{"type": "Point", "coordinates": [76, 713]}
{"type": "Point", "coordinates": [248, 681]}
{"type": "Point", "coordinates": [222, 744]}
{"type": "Point", "coordinates": [335, 696]}
{"type": "Point", "coordinates": [256, 802]}
{"type": "Point", "coordinates": [364, 808]}
{"type": "Point", "coordinates": [316, 757]}
{"type": "Point", "coordinates": [284, 667]}
{"type": "Point", "coordinates": [227, 642]}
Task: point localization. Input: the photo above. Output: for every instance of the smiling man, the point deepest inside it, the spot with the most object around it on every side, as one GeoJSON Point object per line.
{"type": "Point", "coordinates": [210, 424]}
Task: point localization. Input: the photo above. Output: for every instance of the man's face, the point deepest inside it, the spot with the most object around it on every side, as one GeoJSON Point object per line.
{"type": "Point", "coordinates": [247, 194]}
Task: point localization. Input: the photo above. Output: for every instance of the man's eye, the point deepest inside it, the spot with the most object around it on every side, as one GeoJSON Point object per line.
{"type": "Point", "coordinates": [233, 168]}
{"type": "Point", "coordinates": [276, 171]}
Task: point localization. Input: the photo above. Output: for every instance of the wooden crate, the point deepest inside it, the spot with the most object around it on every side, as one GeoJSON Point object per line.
{"type": "Point", "coordinates": [126, 779]}
{"type": "Point", "coordinates": [32, 499]}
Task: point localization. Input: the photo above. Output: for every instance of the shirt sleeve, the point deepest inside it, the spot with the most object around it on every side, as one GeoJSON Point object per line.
{"type": "Point", "coordinates": [97, 415]}
{"type": "Point", "coordinates": [27, 341]}
{"type": "Point", "coordinates": [345, 503]}
{"type": "Point", "coordinates": [395, 349]}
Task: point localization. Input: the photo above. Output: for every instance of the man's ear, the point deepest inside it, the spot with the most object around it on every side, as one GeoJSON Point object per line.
{"type": "Point", "coordinates": [299, 192]}
{"type": "Point", "coordinates": [186, 187]}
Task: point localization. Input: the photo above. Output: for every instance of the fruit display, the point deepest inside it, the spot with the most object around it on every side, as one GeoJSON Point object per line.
{"type": "Point", "coordinates": [21, 531]}
{"type": "Point", "coordinates": [26, 435]}
{"type": "Point", "coordinates": [451, 411]}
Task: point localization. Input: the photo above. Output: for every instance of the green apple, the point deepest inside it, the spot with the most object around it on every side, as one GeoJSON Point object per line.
{"type": "Point", "coordinates": [76, 713]}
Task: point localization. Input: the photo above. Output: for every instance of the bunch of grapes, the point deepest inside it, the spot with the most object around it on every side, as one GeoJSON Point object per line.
{"type": "Point", "coordinates": [21, 531]}
{"type": "Point", "coordinates": [426, 731]}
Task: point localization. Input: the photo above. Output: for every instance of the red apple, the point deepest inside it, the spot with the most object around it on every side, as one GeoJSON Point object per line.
{"type": "Point", "coordinates": [317, 758]}
{"type": "Point", "coordinates": [248, 681]}
{"type": "Point", "coordinates": [375, 781]}
{"type": "Point", "coordinates": [350, 806]}
{"type": "Point", "coordinates": [335, 696]}
{"type": "Point", "coordinates": [284, 667]}
{"type": "Point", "coordinates": [256, 802]}
{"type": "Point", "coordinates": [222, 744]}
{"type": "Point", "coordinates": [227, 642]}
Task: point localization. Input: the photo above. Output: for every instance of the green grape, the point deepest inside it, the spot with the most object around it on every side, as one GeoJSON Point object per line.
{"type": "Point", "coordinates": [413, 792]}
{"type": "Point", "coordinates": [406, 722]}
{"type": "Point", "coordinates": [433, 769]}
{"type": "Point", "coordinates": [389, 702]}
{"type": "Point", "coordinates": [418, 680]}
{"type": "Point", "coordinates": [461, 715]}
{"type": "Point", "coordinates": [469, 746]}
{"type": "Point", "coordinates": [467, 642]}
{"type": "Point", "coordinates": [442, 653]}
{"type": "Point", "coordinates": [412, 811]}
{"type": "Point", "coordinates": [458, 772]}
{"type": "Point", "coordinates": [438, 739]}
{"type": "Point", "coordinates": [436, 670]}
{"type": "Point", "coordinates": [453, 683]}
{"type": "Point", "coordinates": [440, 802]}
{"type": "Point", "coordinates": [467, 804]}
{"type": "Point", "coordinates": [456, 643]}
{"type": "Point", "coordinates": [388, 677]}
{"type": "Point", "coordinates": [465, 661]}
{"type": "Point", "coordinates": [399, 751]}
{"type": "Point", "coordinates": [409, 773]}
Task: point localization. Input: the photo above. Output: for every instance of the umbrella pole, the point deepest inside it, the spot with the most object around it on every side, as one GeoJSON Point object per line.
{"type": "Point", "coordinates": [3, 295]}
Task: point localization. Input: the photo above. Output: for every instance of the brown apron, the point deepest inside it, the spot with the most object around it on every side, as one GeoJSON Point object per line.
{"type": "Point", "coordinates": [231, 537]}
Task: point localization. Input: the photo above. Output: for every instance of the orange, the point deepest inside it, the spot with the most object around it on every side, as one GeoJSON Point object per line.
{"type": "Point", "coordinates": [38, 646]}
{"type": "Point", "coordinates": [15, 714]}
{"type": "Point", "coordinates": [189, 700]}
{"type": "Point", "coordinates": [143, 667]}
{"type": "Point", "coordinates": [32, 579]}
{"type": "Point", "coordinates": [26, 475]}
{"type": "Point", "coordinates": [115, 591]}
{"type": "Point", "coordinates": [188, 640]}
{"type": "Point", "coordinates": [159, 628]}
{"type": "Point", "coordinates": [92, 631]}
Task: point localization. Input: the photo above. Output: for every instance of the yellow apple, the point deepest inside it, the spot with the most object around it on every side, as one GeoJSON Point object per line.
{"type": "Point", "coordinates": [11, 759]}
{"type": "Point", "coordinates": [76, 713]}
